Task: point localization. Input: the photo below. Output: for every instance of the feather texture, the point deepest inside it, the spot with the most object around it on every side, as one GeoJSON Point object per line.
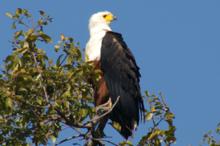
{"type": "Point", "coordinates": [121, 75]}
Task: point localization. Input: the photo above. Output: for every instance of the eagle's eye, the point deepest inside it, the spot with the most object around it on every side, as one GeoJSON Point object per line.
{"type": "Point", "coordinates": [104, 16]}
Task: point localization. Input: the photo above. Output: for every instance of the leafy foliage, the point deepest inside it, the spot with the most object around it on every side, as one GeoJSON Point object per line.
{"type": "Point", "coordinates": [158, 112]}
{"type": "Point", "coordinates": [210, 137]}
{"type": "Point", "coordinates": [39, 96]}
{"type": "Point", "coordinates": [35, 89]}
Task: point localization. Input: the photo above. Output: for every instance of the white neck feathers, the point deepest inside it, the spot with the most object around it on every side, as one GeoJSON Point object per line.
{"type": "Point", "coordinates": [93, 47]}
{"type": "Point", "coordinates": [100, 28]}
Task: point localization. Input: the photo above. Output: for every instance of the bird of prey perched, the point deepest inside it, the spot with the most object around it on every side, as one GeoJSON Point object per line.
{"type": "Point", "coordinates": [119, 73]}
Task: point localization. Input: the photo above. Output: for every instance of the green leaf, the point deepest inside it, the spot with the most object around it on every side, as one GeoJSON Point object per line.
{"type": "Point", "coordinates": [147, 93]}
{"type": "Point", "coordinates": [83, 112]}
{"type": "Point", "coordinates": [26, 13]}
{"type": "Point", "coordinates": [26, 45]}
{"type": "Point", "coordinates": [149, 116]}
{"type": "Point", "coordinates": [169, 116]}
{"type": "Point", "coordinates": [116, 126]}
{"type": "Point", "coordinates": [155, 134]}
{"type": "Point", "coordinates": [71, 40]}
{"type": "Point", "coordinates": [38, 77]}
{"type": "Point", "coordinates": [53, 139]}
{"type": "Point", "coordinates": [30, 32]}
{"type": "Point", "coordinates": [69, 60]}
{"type": "Point", "coordinates": [153, 109]}
{"type": "Point", "coordinates": [33, 37]}
{"type": "Point", "coordinates": [62, 37]}
{"type": "Point", "coordinates": [8, 103]}
{"type": "Point", "coordinates": [18, 11]}
{"type": "Point", "coordinates": [45, 37]}
{"type": "Point", "coordinates": [9, 58]}
{"type": "Point", "coordinates": [18, 33]}
{"type": "Point", "coordinates": [126, 143]}
{"type": "Point", "coordinates": [57, 47]}
{"type": "Point", "coordinates": [9, 15]}
{"type": "Point", "coordinates": [40, 22]}
{"type": "Point", "coordinates": [59, 60]}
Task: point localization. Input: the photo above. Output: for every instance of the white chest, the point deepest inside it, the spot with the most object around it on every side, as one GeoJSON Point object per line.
{"type": "Point", "coordinates": [93, 47]}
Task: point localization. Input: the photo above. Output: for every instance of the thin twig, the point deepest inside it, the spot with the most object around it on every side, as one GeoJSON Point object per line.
{"type": "Point", "coordinates": [44, 89]}
{"type": "Point", "coordinates": [63, 60]}
{"type": "Point", "coordinates": [45, 94]}
{"type": "Point", "coordinates": [69, 122]}
{"type": "Point", "coordinates": [20, 21]}
{"type": "Point", "coordinates": [164, 103]}
{"type": "Point", "coordinates": [104, 140]}
{"type": "Point", "coordinates": [69, 138]}
{"type": "Point", "coordinates": [88, 125]}
{"type": "Point", "coordinates": [156, 124]}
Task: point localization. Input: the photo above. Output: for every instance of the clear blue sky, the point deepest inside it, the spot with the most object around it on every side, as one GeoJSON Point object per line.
{"type": "Point", "coordinates": [176, 44]}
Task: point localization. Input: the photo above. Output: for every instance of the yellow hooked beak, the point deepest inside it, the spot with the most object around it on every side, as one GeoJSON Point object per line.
{"type": "Point", "coordinates": [109, 18]}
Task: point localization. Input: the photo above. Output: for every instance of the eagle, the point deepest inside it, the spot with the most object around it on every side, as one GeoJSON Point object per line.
{"type": "Point", "coordinates": [120, 74]}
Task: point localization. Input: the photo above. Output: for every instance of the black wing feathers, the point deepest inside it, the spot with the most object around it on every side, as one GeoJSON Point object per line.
{"type": "Point", "coordinates": [121, 74]}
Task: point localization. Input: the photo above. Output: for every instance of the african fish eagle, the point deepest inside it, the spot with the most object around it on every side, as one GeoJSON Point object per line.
{"type": "Point", "coordinates": [120, 73]}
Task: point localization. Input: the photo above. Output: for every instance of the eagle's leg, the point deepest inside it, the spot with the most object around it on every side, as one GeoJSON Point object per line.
{"type": "Point", "coordinates": [103, 107]}
{"type": "Point", "coordinates": [99, 132]}
{"type": "Point", "coordinates": [102, 114]}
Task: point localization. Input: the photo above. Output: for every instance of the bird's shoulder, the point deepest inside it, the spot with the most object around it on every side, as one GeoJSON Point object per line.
{"type": "Point", "coordinates": [115, 35]}
{"type": "Point", "coordinates": [112, 37]}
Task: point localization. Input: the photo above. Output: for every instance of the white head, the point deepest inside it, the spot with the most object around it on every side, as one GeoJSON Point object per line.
{"type": "Point", "coordinates": [98, 26]}
{"type": "Point", "coordinates": [100, 21]}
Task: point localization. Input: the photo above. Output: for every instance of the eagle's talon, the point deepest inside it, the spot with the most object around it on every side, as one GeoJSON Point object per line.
{"type": "Point", "coordinates": [104, 107]}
